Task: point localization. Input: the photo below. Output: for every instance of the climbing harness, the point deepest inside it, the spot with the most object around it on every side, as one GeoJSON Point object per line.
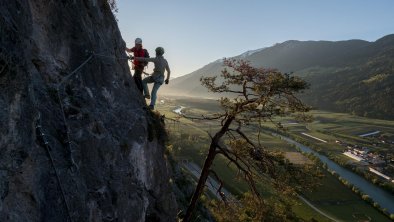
{"type": "Point", "coordinates": [129, 57]}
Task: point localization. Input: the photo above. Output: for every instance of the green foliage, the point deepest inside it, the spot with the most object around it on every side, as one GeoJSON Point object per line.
{"type": "Point", "coordinates": [364, 89]}
{"type": "Point", "coordinates": [376, 78]}
{"type": "Point", "coordinates": [250, 208]}
{"type": "Point", "coordinates": [366, 197]}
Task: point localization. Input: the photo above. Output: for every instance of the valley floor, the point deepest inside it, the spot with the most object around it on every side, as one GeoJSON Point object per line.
{"type": "Point", "coordinates": [332, 200]}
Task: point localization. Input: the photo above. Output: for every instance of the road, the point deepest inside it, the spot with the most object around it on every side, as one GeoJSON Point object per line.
{"type": "Point", "coordinates": [317, 209]}
{"type": "Point", "coordinates": [211, 184]}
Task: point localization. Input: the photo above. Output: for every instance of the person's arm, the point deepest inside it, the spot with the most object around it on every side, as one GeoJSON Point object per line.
{"type": "Point", "coordinates": [143, 59]}
{"type": "Point", "coordinates": [130, 50]}
{"type": "Point", "coordinates": [168, 73]}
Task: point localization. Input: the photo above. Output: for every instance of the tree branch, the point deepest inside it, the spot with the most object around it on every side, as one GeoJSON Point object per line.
{"type": "Point", "coordinates": [219, 190]}
{"type": "Point", "coordinates": [247, 172]}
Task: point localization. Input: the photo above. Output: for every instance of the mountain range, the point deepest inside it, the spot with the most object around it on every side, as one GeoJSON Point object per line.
{"type": "Point", "coordinates": [353, 76]}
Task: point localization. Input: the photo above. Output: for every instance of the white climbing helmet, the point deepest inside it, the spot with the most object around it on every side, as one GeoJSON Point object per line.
{"type": "Point", "coordinates": [138, 41]}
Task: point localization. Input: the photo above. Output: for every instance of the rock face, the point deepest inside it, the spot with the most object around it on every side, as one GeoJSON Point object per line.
{"type": "Point", "coordinates": [74, 146]}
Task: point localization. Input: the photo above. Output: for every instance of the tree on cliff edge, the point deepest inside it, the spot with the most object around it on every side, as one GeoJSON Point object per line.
{"type": "Point", "coordinates": [257, 96]}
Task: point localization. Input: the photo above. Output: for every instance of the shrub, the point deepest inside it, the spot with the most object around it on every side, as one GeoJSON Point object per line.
{"type": "Point", "coordinates": [365, 197]}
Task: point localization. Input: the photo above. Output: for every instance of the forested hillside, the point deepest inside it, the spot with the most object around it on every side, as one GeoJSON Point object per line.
{"type": "Point", "coordinates": [352, 76]}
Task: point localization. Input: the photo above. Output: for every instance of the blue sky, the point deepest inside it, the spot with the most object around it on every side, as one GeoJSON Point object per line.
{"type": "Point", "coordinates": [195, 33]}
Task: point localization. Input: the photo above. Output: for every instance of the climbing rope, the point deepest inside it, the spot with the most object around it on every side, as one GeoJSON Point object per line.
{"type": "Point", "coordinates": [74, 166]}
{"type": "Point", "coordinates": [75, 70]}
{"type": "Point", "coordinates": [42, 137]}
{"type": "Point", "coordinates": [92, 54]}
{"type": "Point", "coordinates": [112, 57]}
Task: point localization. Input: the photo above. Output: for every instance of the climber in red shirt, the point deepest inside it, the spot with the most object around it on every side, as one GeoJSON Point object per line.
{"type": "Point", "coordinates": [138, 66]}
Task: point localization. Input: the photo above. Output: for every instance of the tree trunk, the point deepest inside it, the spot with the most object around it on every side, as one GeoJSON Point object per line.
{"type": "Point", "coordinates": [205, 170]}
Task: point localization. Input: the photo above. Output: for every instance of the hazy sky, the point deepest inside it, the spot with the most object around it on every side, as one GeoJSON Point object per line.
{"type": "Point", "coordinates": [197, 32]}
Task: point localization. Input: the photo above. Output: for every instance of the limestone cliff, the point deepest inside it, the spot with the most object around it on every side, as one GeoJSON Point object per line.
{"type": "Point", "coordinates": [74, 146]}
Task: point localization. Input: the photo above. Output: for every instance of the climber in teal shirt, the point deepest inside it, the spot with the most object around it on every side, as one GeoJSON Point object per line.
{"type": "Point", "coordinates": [157, 76]}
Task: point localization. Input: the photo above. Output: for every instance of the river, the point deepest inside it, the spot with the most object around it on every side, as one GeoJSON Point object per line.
{"type": "Point", "coordinates": [382, 197]}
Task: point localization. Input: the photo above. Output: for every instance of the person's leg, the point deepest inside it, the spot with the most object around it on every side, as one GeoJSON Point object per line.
{"type": "Point", "coordinates": [138, 79]}
{"type": "Point", "coordinates": [145, 86]}
{"type": "Point", "coordinates": [155, 88]}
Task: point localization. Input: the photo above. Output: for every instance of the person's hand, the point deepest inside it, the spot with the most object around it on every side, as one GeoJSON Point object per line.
{"type": "Point", "coordinates": [167, 81]}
